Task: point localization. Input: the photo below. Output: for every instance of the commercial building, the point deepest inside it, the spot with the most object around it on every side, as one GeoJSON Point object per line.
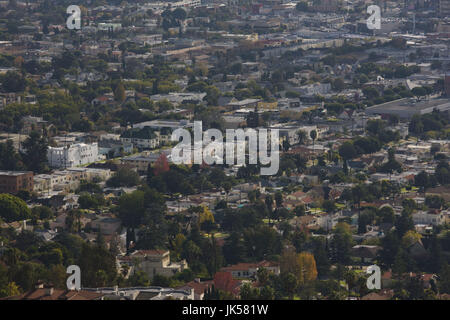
{"type": "Point", "coordinates": [406, 108]}
{"type": "Point", "coordinates": [14, 181]}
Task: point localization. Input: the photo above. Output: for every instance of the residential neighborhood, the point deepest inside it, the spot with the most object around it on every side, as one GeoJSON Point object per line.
{"type": "Point", "coordinates": [95, 117]}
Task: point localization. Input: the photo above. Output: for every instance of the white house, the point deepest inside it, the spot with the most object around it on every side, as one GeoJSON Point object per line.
{"type": "Point", "coordinates": [424, 217]}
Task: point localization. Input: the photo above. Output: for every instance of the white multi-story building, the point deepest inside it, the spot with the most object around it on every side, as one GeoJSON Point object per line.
{"type": "Point", "coordinates": [153, 262]}
{"type": "Point", "coordinates": [73, 155]}
{"type": "Point", "coordinates": [428, 218]}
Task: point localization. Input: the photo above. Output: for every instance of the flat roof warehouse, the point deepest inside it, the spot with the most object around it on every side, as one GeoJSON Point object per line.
{"type": "Point", "coordinates": [407, 107]}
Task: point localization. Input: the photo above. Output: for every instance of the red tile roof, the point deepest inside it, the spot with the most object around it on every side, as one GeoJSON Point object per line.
{"type": "Point", "coordinates": [57, 294]}
{"type": "Point", "coordinates": [224, 281]}
{"type": "Point", "coordinates": [199, 287]}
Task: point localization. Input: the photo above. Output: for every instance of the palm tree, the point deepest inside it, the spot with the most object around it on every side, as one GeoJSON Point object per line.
{"type": "Point", "coordinates": [313, 135]}
{"type": "Point", "coordinates": [301, 136]}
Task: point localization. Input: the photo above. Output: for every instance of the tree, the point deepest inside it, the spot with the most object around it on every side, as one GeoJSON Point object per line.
{"type": "Point", "coordinates": [444, 279]}
{"type": "Point", "coordinates": [212, 95]}
{"type": "Point", "coordinates": [329, 206]}
{"type": "Point", "coordinates": [301, 135]}
{"type": "Point", "coordinates": [131, 208]}
{"type": "Point", "coordinates": [269, 203]}
{"type": "Point", "coordinates": [404, 223]}
{"type": "Point", "coordinates": [123, 177]}
{"type": "Point", "coordinates": [227, 187]}
{"type": "Point", "coordinates": [422, 180]}
{"type": "Point", "coordinates": [155, 232]}
{"type": "Point", "coordinates": [88, 201]}
{"type": "Point", "coordinates": [247, 292]}
{"type": "Point", "coordinates": [370, 92]}
{"type": "Point", "coordinates": [416, 125]}
{"type": "Point", "coordinates": [13, 82]}
{"type": "Point", "coordinates": [313, 135]}
{"type": "Point", "coordinates": [13, 208]}
{"type": "Point", "coordinates": [9, 158]}
{"type": "Point", "coordinates": [289, 284]}
{"type": "Point", "coordinates": [419, 92]}
{"type": "Point", "coordinates": [35, 152]}
{"type": "Point", "coordinates": [263, 276]}
{"type": "Point", "coordinates": [300, 210]}
{"type": "Point", "coordinates": [42, 212]}
{"type": "Point", "coordinates": [435, 202]}
{"type": "Point", "coordinates": [279, 199]}
{"type": "Point", "coordinates": [233, 249]}
{"type": "Point", "coordinates": [302, 6]}
{"type": "Point", "coordinates": [386, 215]}
{"type": "Point", "coordinates": [442, 172]}
{"type": "Point", "coordinates": [392, 164]}
{"type": "Point", "coordinates": [341, 243]}
{"type": "Point", "coordinates": [161, 165]}
{"type": "Point", "coordinates": [11, 290]}
{"type": "Point", "coordinates": [400, 265]}
{"type": "Point", "coordinates": [321, 256]}
{"type": "Point", "coordinates": [289, 261]}
{"type": "Point", "coordinates": [307, 264]}
{"type": "Point", "coordinates": [179, 14]}
{"type": "Point", "coordinates": [338, 84]}
{"type": "Point", "coordinates": [410, 238]}
{"type": "Point", "coordinates": [98, 266]}
{"type": "Point", "coordinates": [347, 151]}
{"type": "Point", "coordinates": [139, 279]}
{"type": "Point", "coordinates": [253, 119]}
{"type": "Point", "coordinates": [119, 93]}
{"type": "Point", "coordinates": [358, 193]}
{"type": "Point", "coordinates": [205, 215]}
{"type": "Point", "coordinates": [267, 293]}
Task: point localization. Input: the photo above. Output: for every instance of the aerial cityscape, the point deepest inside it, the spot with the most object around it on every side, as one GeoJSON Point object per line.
{"type": "Point", "coordinates": [224, 150]}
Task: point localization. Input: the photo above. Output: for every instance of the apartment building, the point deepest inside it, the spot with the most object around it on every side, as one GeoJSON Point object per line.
{"type": "Point", "coordinates": [14, 181]}
{"type": "Point", "coordinates": [155, 262]}
{"type": "Point", "coordinates": [144, 138]}
{"type": "Point", "coordinates": [73, 155]}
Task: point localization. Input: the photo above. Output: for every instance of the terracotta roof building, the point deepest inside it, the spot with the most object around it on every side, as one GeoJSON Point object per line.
{"type": "Point", "coordinates": [48, 292]}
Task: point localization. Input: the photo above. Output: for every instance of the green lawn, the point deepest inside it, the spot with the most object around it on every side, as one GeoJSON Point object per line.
{"type": "Point", "coordinates": [315, 211]}
{"type": "Point", "coordinates": [413, 189]}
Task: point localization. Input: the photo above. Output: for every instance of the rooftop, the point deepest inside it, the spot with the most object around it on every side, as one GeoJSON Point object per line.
{"type": "Point", "coordinates": [406, 108]}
